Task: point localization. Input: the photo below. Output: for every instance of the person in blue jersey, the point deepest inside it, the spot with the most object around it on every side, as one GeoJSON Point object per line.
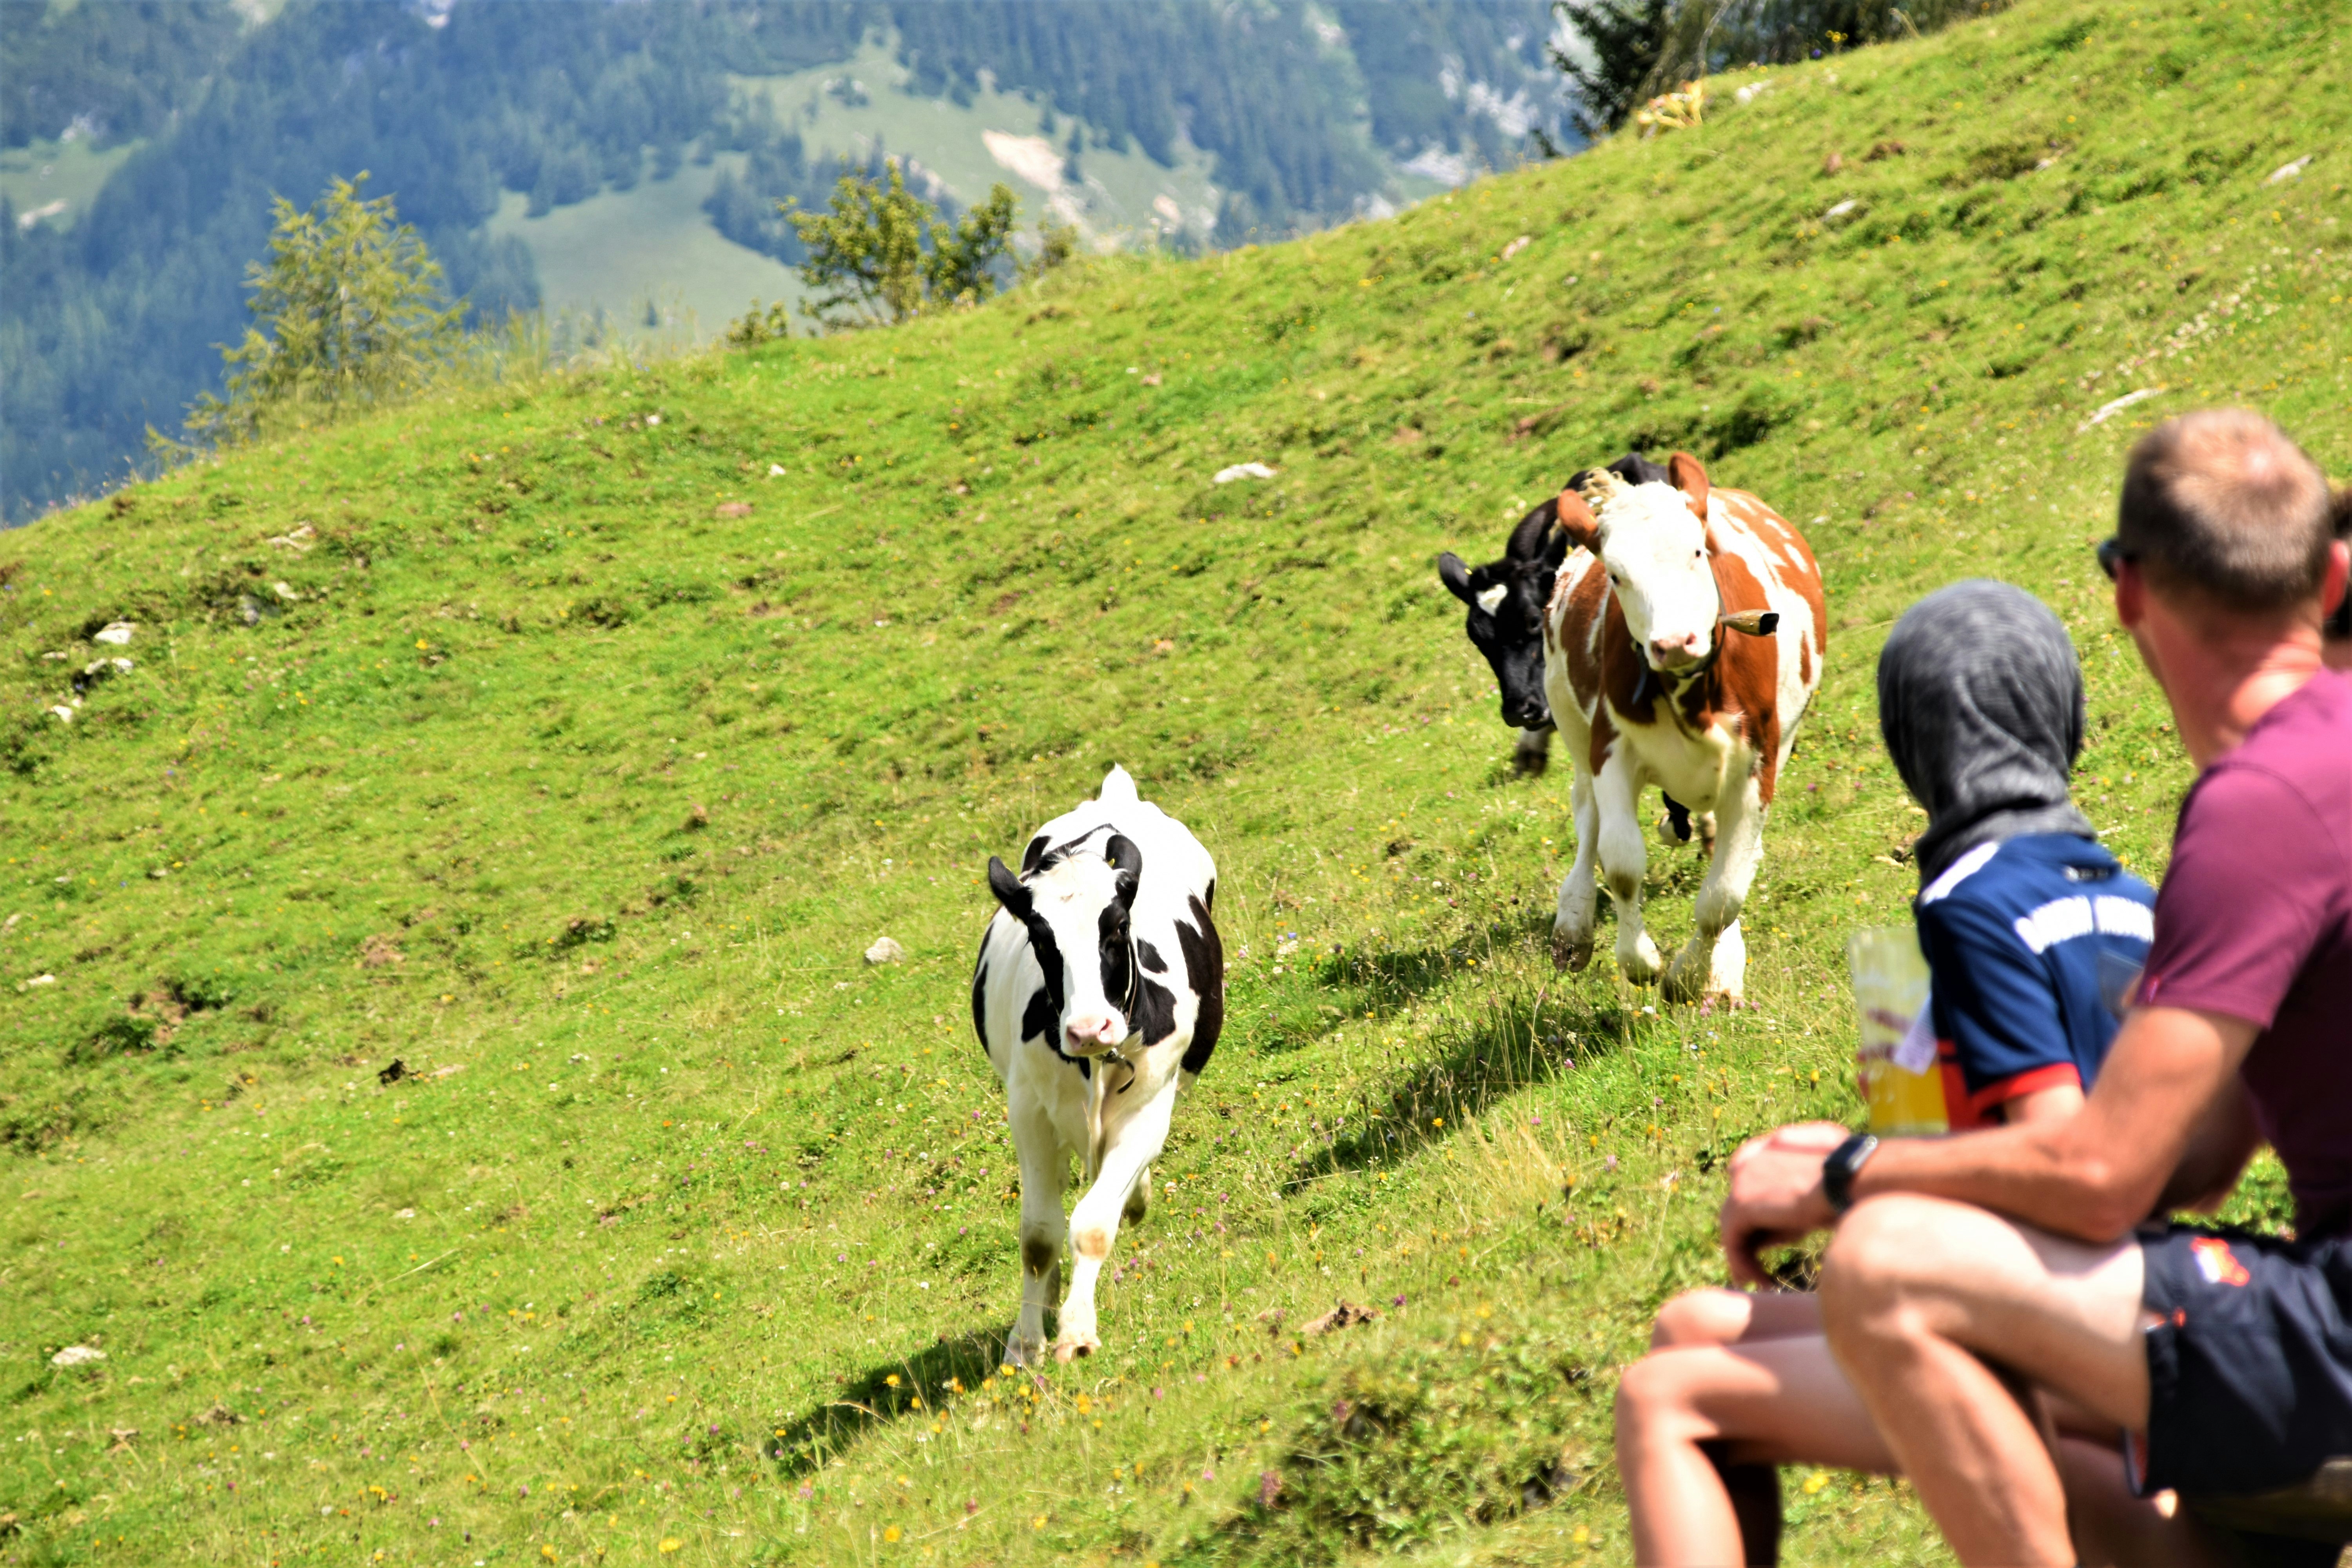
{"type": "Point", "coordinates": [2033, 935]}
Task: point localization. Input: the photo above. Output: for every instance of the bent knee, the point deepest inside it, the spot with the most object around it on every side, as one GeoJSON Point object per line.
{"type": "Point", "coordinates": [1654, 1397]}
{"type": "Point", "coordinates": [1092, 1242]}
{"type": "Point", "coordinates": [1701, 1317]}
{"type": "Point", "coordinates": [1886, 1249]}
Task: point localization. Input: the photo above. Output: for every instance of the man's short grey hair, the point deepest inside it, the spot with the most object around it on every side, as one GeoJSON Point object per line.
{"type": "Point", "coordinates": [2222, 503]}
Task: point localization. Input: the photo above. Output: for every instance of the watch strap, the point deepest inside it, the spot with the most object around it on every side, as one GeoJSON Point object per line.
{"type": "Point", "coordinates": [1842, 1164]}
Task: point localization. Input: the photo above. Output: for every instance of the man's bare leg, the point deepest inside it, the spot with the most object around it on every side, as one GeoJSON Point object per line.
{"type": "Point", "coordinates": [1719, 1316]}
{"type": "Point", "coordinates": [1914, 1290]}
{"type": "Point", "coordinates": [1689, 1418]}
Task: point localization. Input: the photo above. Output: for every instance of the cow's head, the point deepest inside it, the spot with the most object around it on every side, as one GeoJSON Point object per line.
{"type": "Point", "coordinates": [1652, 539]}
{"type": "Point", "coordinates": [1078, 900]}
{"type": "Point", "coordinates": [1507, 599]}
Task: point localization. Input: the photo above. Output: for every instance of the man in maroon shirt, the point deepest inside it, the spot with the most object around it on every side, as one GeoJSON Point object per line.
{"type": "Point", "coordinates": [1968, 1268]}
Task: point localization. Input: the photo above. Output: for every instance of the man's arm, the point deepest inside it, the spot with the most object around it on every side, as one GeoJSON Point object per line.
{"type": "Point", "coordinates": [2093, 1175]}
{"type": "Point", "coordinates": [2225, 1139]}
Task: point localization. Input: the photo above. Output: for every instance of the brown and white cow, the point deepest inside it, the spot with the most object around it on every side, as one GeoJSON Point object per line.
{"type": "Point", "coordinates": [1683, 643]}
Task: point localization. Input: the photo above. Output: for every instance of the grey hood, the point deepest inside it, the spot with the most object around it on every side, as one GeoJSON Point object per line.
{"type": "Point", "coordinates": [1980, 703]}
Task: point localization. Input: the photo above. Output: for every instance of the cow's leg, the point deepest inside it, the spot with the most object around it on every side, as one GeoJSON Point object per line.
{"type": "Point", "coordinates": [1532, 754]}
{"type": "Point", "coordinates": [1140, 1200]}
{"type": "Point", "coordinates": [1716, 950]}
{"type": "Point", "coordinates": [1044, 1169]}
{"type": "Point", "coordinates": [1624, 859]}
{"type": "Point", "coordinates": [1094, 1224]}
{"type": "Point", "coordinates": [1571, 927]}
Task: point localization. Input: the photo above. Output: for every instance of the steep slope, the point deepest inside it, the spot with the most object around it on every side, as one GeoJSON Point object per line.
{"type": "Point", "coordinates": [564, 752]}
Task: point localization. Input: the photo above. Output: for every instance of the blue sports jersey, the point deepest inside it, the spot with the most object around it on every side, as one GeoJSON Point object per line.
{"type": "Point", "coordinates": [2032, 946]}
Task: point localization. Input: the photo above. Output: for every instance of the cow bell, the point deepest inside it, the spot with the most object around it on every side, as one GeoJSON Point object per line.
{"type": "Point", "coordinates": [1755, 623]}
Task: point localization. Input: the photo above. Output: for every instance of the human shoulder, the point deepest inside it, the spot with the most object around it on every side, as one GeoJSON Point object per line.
{"type": "Point", "coordinates": [2292, 771]}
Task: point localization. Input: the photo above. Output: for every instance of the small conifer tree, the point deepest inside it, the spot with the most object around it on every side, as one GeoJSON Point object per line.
{"type": "Point", "coordinates": [348, 310]}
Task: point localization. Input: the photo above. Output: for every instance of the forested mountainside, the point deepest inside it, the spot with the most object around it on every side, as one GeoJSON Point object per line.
{"type": "Point", "coordinates": [113, 306]}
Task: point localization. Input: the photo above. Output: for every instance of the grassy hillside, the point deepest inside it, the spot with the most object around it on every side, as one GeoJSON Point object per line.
{"type": "Point", "coordinates": [564, 752]}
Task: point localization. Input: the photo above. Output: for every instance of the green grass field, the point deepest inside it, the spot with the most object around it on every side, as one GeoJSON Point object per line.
{"type": "Point", "coordinates": [52, 182]}
{"type": "Point", "coordinates": [577, 759]}
{"type": "Point", "coordinates": [620, 250]}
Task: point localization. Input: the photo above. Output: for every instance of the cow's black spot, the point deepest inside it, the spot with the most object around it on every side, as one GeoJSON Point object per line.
{"type": "Point", "coordinates": [1677, 817]}
{"type": "Point", "coordinates": [1151, 957]}
{"type": "Point", "coordinates": [1205, 970]}
{"type": "Point", "coordinates": [1049, 958]}
{"type": "Point", "coordinates": [1155, 1010]}
{"type": "Point", "coordinates": [1116, 952]}
{"type": "Point", "coordinates": [1041, 1019]}
{"type": "Point", "coordinates": [980, 994]}
{"type": "Point", "coordinates": [1212, 883]}
{"type": "Point", "coordinates": [1037, 858]}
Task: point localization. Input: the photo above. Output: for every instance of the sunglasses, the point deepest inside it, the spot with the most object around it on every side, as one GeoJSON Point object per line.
{"type": "Point", "coordinates": [2112, 554]}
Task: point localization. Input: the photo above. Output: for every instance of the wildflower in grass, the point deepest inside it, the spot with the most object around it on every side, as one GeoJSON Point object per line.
{"type": "Point", "coordinates": [1816, 1481]}
{"type": "Point", "coordinates": [671, 1543]}
{"type": "Point", "coordinates": [891, 1535]}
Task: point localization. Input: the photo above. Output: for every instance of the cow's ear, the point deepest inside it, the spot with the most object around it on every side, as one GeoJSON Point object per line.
{"type": "Point", "coordinates": [1577, 523]}
{"type": "Point", "coordinates": [1007, 888]}
{"type": "Point", "coordinates": [1689, 475]}
{"type": "Point", "coordinates": [1455, 576]}
{"type": "Point", "coordinates": [1126, 860]}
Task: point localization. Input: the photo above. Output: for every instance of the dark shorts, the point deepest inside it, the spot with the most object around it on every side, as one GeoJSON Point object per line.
{"type": "Point", "coordinates": [2250, 1368]}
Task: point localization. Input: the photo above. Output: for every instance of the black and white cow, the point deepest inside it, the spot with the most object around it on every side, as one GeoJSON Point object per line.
{"type": "Point", "coordinates": [1098, 994]}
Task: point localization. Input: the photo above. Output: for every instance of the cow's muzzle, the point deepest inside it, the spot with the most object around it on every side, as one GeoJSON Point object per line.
{"type": "Point", "coordinates": [1092, 1033]}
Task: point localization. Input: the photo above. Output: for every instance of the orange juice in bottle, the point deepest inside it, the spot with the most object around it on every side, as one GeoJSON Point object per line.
{"type": "Point", "coordinates": [1896, 1057]}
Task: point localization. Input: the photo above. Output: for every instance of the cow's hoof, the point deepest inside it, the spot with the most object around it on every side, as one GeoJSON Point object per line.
{"type": "Point", "coordinates": [1687, 978]}
{"type": "Point", "coordinates": [1021, 1351]}
{"type": "Point", "coordinates": [1641, 966]}
{"type": "Point", "coordinates": [1571, 952]}
{"type": "Point", "coordinates": [1067, 1350]}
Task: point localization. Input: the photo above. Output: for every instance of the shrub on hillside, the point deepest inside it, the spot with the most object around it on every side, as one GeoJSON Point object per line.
{"type": "Point", "coordinates": [882, 254]}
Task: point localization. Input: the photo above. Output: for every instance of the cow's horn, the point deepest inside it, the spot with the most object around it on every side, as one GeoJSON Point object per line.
{"type": "Point", "coordinates": [1755, 623]}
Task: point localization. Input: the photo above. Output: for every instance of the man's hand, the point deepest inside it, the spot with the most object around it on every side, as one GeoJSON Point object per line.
{"type": "Point", "coordinates": [1775, 1194]}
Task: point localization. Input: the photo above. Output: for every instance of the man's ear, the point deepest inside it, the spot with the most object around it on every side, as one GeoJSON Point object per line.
{"type": "Point", "coordinates": [1577, 523]}
{"type": "Point", "coordinates": [1689, 475]}
{"type": "Point", "coordinates": [1007, 888]}
{"type": "Point", "coordinates": [1455, 576]}
{"type": "Point", "coordinates": [2335, 584]}
{"type": "Point", "coordinates": [2131, 595]}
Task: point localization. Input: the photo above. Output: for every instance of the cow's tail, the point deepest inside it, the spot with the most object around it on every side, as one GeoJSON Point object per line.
{"type": "Point", "coordinates": [1118, 788]}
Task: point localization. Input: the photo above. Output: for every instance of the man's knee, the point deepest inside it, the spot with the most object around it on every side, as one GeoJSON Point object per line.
{"type": "Point", "coordinates": [1643, 1393]}
{"type": "Point", "coordinates": [1654, 1397]}
{"type": "Point", "coordinates": [1700, 1318]}
{"type": "Point", "coordinates": [1881, 1252]}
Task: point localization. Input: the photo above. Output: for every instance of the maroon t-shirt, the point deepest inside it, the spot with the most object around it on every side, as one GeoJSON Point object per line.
{"type": "Point", "coordinates": [2255, 920]}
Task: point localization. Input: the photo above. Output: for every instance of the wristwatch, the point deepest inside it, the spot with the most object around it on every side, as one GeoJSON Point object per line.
{"type": "Point", "coordinates": [1839, 1170]}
